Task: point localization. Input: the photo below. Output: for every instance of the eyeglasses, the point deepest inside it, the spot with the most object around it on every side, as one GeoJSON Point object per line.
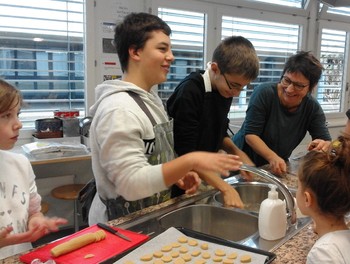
{"type": "Point", "coordinates": [285, 81]}
{"type": "Point", "coordinates": [236, 87]}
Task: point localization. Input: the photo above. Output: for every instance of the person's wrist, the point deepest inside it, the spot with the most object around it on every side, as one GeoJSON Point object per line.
{"type": "Point", "coordinates": [225, 187]}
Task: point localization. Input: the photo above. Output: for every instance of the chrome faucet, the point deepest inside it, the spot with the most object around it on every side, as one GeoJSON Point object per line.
{"type": "Point", "coordinates": [290, 204]}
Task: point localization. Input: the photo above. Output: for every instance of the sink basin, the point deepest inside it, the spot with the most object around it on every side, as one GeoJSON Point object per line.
{"type": "Point", "coordinates": [212, 220]}
{"type": "Point", "coordinates": [205, 215]}
{"type": "Point", "coordinates": [251, 193]}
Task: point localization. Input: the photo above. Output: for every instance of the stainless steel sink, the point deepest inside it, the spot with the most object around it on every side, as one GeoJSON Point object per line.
{"type": "Point", "coordinates": [212, 220]}
{"type": "Point", "coordinates": [202, 215]}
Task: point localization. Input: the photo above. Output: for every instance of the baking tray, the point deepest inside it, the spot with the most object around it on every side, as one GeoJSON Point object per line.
{"type": "Point", "coordinates": [163, 239]}
{"type": "Point", "coordinates": [195, 234]}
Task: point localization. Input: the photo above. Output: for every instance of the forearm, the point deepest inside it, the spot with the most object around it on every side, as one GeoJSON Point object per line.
{"type": "Point", "coordinates": [176, 169]}
{"type": "Point", "coordinates": [199, 161]}
{"type": "Point", "coordinates": [259, 146]}
{"type": "Point", "coordinates": [231, 148]}
{"type": "Point", "coordinates": [230, 195]}
{"type": "Point", "coordinates": [214, 180]}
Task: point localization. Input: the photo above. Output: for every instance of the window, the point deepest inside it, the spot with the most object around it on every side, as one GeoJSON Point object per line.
{"type": "Point", "coordinates": [277, 29]}
{"type": "Point", "coordinates": [41, 53]}
{"type": "Point", "coordinates": [187, 40]}
{"type": "Point", "coordinates": [273, 42]}
{"type": "Point", "coordinates": [332, 57]}
{"type": "Point", "coordinates": [334, 30]}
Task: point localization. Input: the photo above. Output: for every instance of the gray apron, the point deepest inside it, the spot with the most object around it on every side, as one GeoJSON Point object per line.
{"type": "Point", "coordinates": [163, 152]}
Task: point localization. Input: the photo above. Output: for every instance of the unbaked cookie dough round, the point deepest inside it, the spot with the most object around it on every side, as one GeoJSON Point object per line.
{"type": "Point", "coordinates": [158, 254]}
{"type": "Point", "coordinates": [182, 239]}
{"type": "Point", "coordinates": [186, 257]}
{"type": "Point", "coordinates": [204, 246]}
{"type": "Point", "coordinates": [167, 248]}
{"type": "Point", "coordinates": [192, 242]}
{"type": "Point", "coordinates": [167, 258]}
{"type": "Point", "coordinates": [206, 255]}
{"type": "Point", "coordinates": [220, 252]}
{"type": "Point", "coordinates": [183, 249]}
{"type": "Point", "coordinates": [233, 255]}
{"type": "Point", "coordinates": [246, 258]}
{"type": "Point", "coordinates": [179, 261]}
{"type": "Point", "coordinates": [174, 254]}
{"type": "Point", "coordinates": [146, 257]}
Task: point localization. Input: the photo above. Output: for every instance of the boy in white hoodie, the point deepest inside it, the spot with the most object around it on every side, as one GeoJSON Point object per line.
{"type": "Point", "coordinates": [131, 136]}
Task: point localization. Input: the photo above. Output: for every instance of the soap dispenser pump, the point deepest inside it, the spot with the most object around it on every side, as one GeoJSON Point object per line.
{"type": "Point", "coordinates": [272, 216]}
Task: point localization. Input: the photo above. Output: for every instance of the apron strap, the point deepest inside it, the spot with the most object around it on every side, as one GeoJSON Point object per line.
{"type": "Point", "coordinates": [143, 106]}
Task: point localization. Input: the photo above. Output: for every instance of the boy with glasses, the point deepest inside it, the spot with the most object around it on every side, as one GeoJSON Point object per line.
{"type": "Point", "coordinates": [201, 102]}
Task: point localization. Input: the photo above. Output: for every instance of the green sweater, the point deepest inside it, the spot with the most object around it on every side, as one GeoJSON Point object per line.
{"type": "Point", "coordinates": [282, 131]}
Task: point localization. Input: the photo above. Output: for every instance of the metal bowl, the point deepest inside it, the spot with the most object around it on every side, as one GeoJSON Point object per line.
{"type": "Point", "coordinates": [251, 193]}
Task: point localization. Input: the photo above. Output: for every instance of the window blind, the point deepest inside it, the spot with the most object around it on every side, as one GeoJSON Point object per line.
{"type": "Point", "coordinates": [332, 57]}
{"type": "Point", "coordinates": [344, 11]}
{"type": "Point", "coordinates": [187, 40]}
{"type": "Point", "coordinates": [41, 53]}
{"type": "Point", "coordinates": [291, 3]}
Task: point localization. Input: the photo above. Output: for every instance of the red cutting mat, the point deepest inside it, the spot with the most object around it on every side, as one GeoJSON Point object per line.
{"type": "Point", "coordinates": [111, 246]}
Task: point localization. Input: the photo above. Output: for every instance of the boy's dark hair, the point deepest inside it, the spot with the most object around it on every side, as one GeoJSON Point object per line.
{"type": "Point", "coordinates": [236, 55]}
{"type": "Point", "coordinates": [134, 31]}
{"type": "Point", "coordinates": [307, 64]}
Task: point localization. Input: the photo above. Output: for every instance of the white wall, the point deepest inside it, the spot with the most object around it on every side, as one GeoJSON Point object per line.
{"type": "Point", "coordinates": [98, 15]}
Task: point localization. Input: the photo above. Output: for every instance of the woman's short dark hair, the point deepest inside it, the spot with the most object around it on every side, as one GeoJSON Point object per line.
{"type": "Point", "coordinates": [134, 31]}
{"type": "Point", "coordinates": [307, 64]}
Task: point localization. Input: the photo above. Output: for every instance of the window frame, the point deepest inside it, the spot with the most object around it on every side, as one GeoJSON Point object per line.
{"type": "Point", "coordinates": [334, 25]}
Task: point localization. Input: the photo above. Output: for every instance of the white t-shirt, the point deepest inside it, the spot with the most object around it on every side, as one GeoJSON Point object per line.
{"type": "Point", "coordinates": [18, 197]}
{"type": "Point", "coordinates": [332, 248]}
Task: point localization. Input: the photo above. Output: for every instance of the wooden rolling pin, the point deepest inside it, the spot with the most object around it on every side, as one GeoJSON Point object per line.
{"type": "Point", "coordinates": [77, 242]}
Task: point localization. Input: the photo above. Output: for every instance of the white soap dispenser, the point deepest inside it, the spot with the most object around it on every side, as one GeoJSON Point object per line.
{"type": "Point", "coordinates": [272, 216]}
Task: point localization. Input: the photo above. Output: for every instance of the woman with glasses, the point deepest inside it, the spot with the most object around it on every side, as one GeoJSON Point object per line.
{"type": "Point", "coordinates": [280, 114]}
{"type": "Point", "coordinates": [201, 102]}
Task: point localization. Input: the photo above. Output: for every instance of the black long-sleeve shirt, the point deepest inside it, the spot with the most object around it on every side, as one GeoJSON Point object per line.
{"type": "Point", "coordinates": [200, 117]}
